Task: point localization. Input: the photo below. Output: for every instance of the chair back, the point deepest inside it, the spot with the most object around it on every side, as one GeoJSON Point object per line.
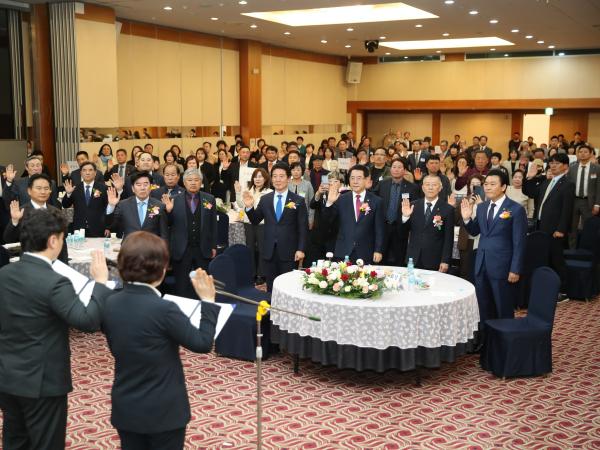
{"type": "Point", "coordinates": [545, 285]}
{"type": "Point", "coordinates": [223, 269]}
{"type": "Point", "coordinates": [242, 258]}
{"type": "Point", "coordinates": [537, 251]}
{"type": "Point", "coordinates": [222, 230]}
{"type": "Point", "coordinates": [589, 235]}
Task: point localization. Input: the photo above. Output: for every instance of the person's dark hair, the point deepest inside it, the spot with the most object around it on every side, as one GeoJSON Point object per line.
{"type": "Point", "coordinates": [155, 158]}
{"type": "Point", "coordinates": [38, 225]}
{"type": "Point", "coordinates": [480, 152]}
{"type": "Point", "coordinates": [560, 157]}
{"type": "Point", "coordinates": [539, 150]}
{"type": "Point", "coordinates": [283, 167]}
{"type": "Point", "coordinates": [170, 152]}
{"type": "Point", "coordinates": [82, 152]}
{"type": "Point", "coordinates": [121, 150]}
{"type": "Point", "coordinates": [513, 150]}
{"type": "Point", "coordinates": [201, 150]}
{"type": "Point", "coordinates": [221, 142]}
{"type": "Point", "coordinates": [294, 165]}
{"type": "Point", "coordinates": [172, 165]}
{"type": "Point", "coordinates": [143, 257]}
{"type": "Point", "coordinates": [434, 158]}
{"type": "Point", "coordinates": [135, 147]}
{"type": "Point", "coordinates": [33, 178]}
{"type": "Point", "coordinates": [483, 136]}
{"type": "Point", "coordinates": [427, 139]}
{"type": "Point", "coordinates": [292, 144]}
{"type": "Point", "coordinates": [416, 140]}
{"type": "Point", "coordinates": [589, 147]}
{"type": "Point", "coordinates": [402, 160]}
{"type": "Point", "coordinates": [497, 155]}
{"type": "Point", "coordinates": [294, 151]}
{"type": "Point", "coordinates": [554, 137]}
{"type": "Point", "coordinates": [148, 144]}
{"type": "Point", "coordinates": [139, 155]}
{"type": "Point", "coordinates": [522, 172]}
{"type": "Point", "coordinates": [300, 137]}
{"type": "Point", "coordinates": [271, 148]}
{"type": "Point", "coordinates": [265, 175]}
{"type": "Point", "coordinates": [237, 136]}
{"type": "Point", "coordinates": [137, 175]}
{"type": "Point", "coordinates": [188, 159]}
{"type": "Point", "coordinates": [259, 141]}
{"type": "Point", "coordinates": [318, 158]}
{"type": "Point", "coordinates": [311, 146]}
{"type": "Point", "coordinates": [328, 149]}
{"type": "Point", "coordinates": [178, 151]}
{"type": "Point", "coordinates": [360, 168]}
{"type": "Point", "coordinates": [105, 145]}
{"type": "Point", "coordinates": [500, 174]}
{"type": "Point", "coordinates": [88, 163]}
{"type": "Point", "coordinates": [206, 142]}
{"type": "Point", "coordinates": [481, 178]}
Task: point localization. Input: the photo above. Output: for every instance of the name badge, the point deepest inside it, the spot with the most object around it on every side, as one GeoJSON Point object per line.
{"type": "Point", "coordinates": [381, 178]}
{"type": "Point", "coordinates": [302, 194]}
{"type": "Point", "coordinates": [405, 195]}
{"type": "Point", "coordinates": [422, 160]}
{"type": "Point", "coordinates": [593, 176]}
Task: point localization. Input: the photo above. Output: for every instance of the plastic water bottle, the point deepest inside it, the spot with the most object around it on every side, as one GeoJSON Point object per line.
{"type": "Point", "coordinates": [106, 247]}
{"type": "Point", "coordinates": [411, 274]}
{"type": "Point", "coordinates": [346, 259]}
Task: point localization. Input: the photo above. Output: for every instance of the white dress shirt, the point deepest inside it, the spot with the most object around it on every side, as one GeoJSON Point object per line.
{"type": "Point", "coordinates": [139, 283]}
{"type": "Point", "coordinates": [433, 202]}
{"type": "Point", "coordinates": [38, 256]}
{"type": "Point", "coordinates": [498, 206]}
{"type": "Point", "coordinates": [276, 197]}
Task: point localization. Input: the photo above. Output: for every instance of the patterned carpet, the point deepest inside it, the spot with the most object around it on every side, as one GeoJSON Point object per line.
{"type": "Point", "coordinates": [458, 407]}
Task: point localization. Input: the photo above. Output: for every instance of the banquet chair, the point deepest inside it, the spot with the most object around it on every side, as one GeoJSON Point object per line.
{"type": "Point", "coordinates": [587, 241]}
{"type": "Point", "coordinates": [242, 258]}
{"type": "Point", "coordinates": [523, 346]}
{"type": "Point", "coordinates": [583, 276]}
{"type": "Point", "coordinates": [222, 232]}
{"type": "Point", "coordinates": [238, 337]}
{"type": "Point", "coordinates": [537, 254]}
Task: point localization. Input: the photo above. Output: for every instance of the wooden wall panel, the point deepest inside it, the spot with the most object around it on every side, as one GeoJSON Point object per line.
{"type": "Point", "coordinates": [568, 122]}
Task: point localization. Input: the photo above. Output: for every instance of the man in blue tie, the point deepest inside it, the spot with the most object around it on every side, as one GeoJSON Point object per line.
{"type": "Point", "coordinates": [501, 224]}
{"type": "Point", "coordinates": [286, 225]}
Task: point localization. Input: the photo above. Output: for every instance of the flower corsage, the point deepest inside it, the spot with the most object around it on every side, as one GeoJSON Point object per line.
{"type": "Point", "coordinates": [207, 205]}
{"type": "Point", "coordinates": [505, 214]}
{"type": "Point", "coordinates": [438, 222]}
{"type": "Point", "coordinates": [153, 212]}
{"type": "Point", "coordinates": [97, 193]}
{"type": "Point", "coordinates": [365, 208]}
{"type": "Point", "coordinates": [290, 205]}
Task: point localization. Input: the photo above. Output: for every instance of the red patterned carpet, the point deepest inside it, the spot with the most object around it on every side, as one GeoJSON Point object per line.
{"type": "Point", "coordinates": [458, 407]}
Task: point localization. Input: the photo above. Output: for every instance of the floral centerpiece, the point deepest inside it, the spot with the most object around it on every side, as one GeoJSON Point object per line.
{"type": "Point", "coordinates": [345, 279]}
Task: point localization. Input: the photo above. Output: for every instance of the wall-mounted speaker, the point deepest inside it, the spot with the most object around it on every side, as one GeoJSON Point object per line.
{"type": "Point", "coordinates": [353, 72]}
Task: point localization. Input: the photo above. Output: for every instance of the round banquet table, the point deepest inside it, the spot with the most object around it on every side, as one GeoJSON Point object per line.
{"type": "Point", "coordinates": [80, 258]}
{"type": "Point", "coordinates": [401, 330]}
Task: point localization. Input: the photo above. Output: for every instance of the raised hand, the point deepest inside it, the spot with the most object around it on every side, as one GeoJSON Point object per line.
{"type": "Point", "coordinates": [466, 209]}
{"type": "Point", "coordinates": [532, 171]}
{"type": "Point", "coordinates": [333, 194]}
{"type": "Point", "coordinates": [478, 199]}
{"type": "Point", "coordinates": [95, 158]}
{"type": "Point", "coordinates": [11, 173]}
{"type": "Point", "coordinates": [117, 181]}
{"type": "Point", "coordinates": [69, 188]}
{"type": "Point", "coordinates": [452, 200]}
{"type": "Point", "coordinates": [377, 257]}
{"type": "Point", "coordinates": [204, 286]}
{"type": "Point", "coordinates": [418, 174]}
{"type": "Point", "coordinates": [248, 199]}
{"type": "Point", "coordinates": [407, 208]}
{"type": "Point", "coordinates": [109, 164]}
{"type": "Point", "coordinates": [225, 165]}
{"type": "Point", "coordinates": [168, 202]}
{"type": "Point", "coordinates": [237, 186]}
{"type": "Point", "coordinates": [16, 213]}
{"type": "Point", "coordinates": [98, 268]}
{"type": "Point", "coordinates": [64, 169]}
{"type": "Point", "coordinates": [113, 197]}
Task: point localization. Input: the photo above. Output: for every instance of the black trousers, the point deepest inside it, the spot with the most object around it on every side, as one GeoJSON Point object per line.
{"type": "Point", "coordinates": [255, 236]}
{"type": "Point", "coordinates": [192, 259]}
{"type": "Point", "coordinates": [167, 440]}
{"type": "Point", "coordinates": [33, 423]}
{"type": "Point", "coordinates": [395, 241]}
{"type": "Point", "coordinates": [557, 260]}
{"type": "Point", "coordinates": [275, 267]}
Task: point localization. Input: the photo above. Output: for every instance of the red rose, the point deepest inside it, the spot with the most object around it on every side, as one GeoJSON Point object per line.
{"type": "Point", "coordinates": [324, 272]}
{"type": "Point", "coordinates": [345, 277]}
{"type": "Point", "coordinates": [307, 271]}
{"type": "Point", "coordinates": [373, 274]}
{"type": "Point", "coordinates": [349, 263]}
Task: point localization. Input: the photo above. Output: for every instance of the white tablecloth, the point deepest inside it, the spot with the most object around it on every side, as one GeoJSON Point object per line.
{"type": "Point", "coordinates": [79, 259]}
{"type": "Point", "coordinates": [444, 315]}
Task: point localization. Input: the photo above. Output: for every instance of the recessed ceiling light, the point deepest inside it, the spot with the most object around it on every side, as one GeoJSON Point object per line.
{"type": "Point", "coordinates": [387, 53]}
{"type": "Point", "coordinates": [347, 46]}
{"type": "Point", "coordinates": [492, 49]}
{"type": "Point", "coordinates": [540, 42]}
{"type": "Point", "coordinates": [447, 43]}
{"type": "Point", "coordinates": [287, 33]}
{"type": "Point", "coordinates": [506, 54]}
{"type": "Point", "coordinates": [167, 8]}
{"type": "Point", "coordinates": [438, 51]}
{"type": "Point", "coordinates": [449, 2]}
{"type": "Point", "coordinates": [323, 41]}
{"type": "Point", "coordinates": [514, 30]}
{"type": "Point", "coordinates": [551, 46]}
{"type": "Point", "coordinates": [561, 54]}
{"type": "Point", "coordinates": [344, 14]}
{"type": "Point", "coordinates": [253, 26]}
{"type": "Point", "coordinates": [406, 57]}
{"type": "Point", "coordinates": [473, 12]}
{"type": "Point", "coordinates": [445, 34]}
{"type": "Point", "coordinates": [214, 18]}
{"type": "Point", "coordinates": [418, 25]}
{"type": "Point", "coordinates": [349, 29]}
{"type": "Point", "coordinates": [243, 2]}
{"type": "Point", "coordinates": [494, 21]}
{"type": "Point", "coordinates": [528, 36]}
{"type": "Point", "coordinates": [382, 37]}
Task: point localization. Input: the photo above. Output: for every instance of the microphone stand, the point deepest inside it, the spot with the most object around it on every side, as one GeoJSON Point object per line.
{"type": "Point", "coordinates": [262, 308]}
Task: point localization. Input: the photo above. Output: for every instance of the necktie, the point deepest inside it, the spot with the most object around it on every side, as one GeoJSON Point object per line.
{"type": "Point", "coordinates": [88, 195]}
{"type": "Point", "coordinates": [193, 204]}
{"type": "Point", "coordinates": [358, 205]}
{"type": "Point", "coordinates": [428, 212]}
{"type": "Point", "coordinates": [141, 212]}
{"type": "Point", "coordinates": [392, 212]}
{"type": "Point", "coordinates": [278, 208]}
{"type": "Point", "coordinates": [581, 192]}
{"type": "Point", "coordinates": [490, 217]}
{"type": "Point", "coordinates": [122, 171]}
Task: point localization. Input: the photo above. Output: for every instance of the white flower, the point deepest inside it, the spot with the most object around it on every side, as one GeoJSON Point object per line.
{"type": "Point", "coordinates": [360, 262]}
{"type": "Point", "coordinates": [351, 269]}
{"type": "Point", "coordinates": [348, 288]}
{"type": "Point", "coordinates": [380, 274]}
{"type": "Point", "coordinates": [326, 263]}
{"type": "Point", "coordinates": [373, 287]}
{"type": "Point", "coordinates": [323, 284]}
{"type": "Point", "coordinates": [329, 255]}
{"type": "Point", "coordinates": [365, 289]}
{"type": "Point", "coordinates": [336, 287]}
{"type": "Point", "coordinates": [334, 265]}
{"type": "Point", "coordinates": [332, 276]}
{"type": "Point", "coordinates": [312, 279]}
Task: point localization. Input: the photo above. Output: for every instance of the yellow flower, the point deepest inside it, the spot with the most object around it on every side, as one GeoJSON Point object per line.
{"type": "Point", "coordinates": [290, 205]}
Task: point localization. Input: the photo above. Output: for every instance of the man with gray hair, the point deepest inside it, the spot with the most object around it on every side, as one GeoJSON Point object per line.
{"type": "Point", "coordinates": [193, 224]}
{"type": "Point", "coordinates": [17, 189]}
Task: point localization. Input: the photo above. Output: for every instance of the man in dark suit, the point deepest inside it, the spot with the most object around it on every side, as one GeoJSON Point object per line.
{"type": "Point", "coordinates": [271, 155]}
{"type": "Point", "coordinates": [75, 177]}
{"type": "Point", "coordinates": [433, 167]}
{"type": "Point", "coordinates": [193, 230]}
{"type": "Point", "coordinates": [37, 307]}
{"type": "Point", "coordinates": [122, 168]}
{"type": "Point", "coordinates": [234, 169]}
{"type": "Point", "coordinates": [89, 200]}
{"type": "Point", "coordinates": [586, 177]}
{"type": "Point", "coordinates": [392, 191]}
{"type": "Point", "coordinates": [171, 174]}
{"type": "Point", "coordinates": [431, 224]}
{"type": "Point", "coordinates": [145, 165]}
{"type": "Point", "coordinates": [418, 158]}
{"type": "Point", "coordinates": [323, 234]}
{"type": "Point", "coordinates": [553, 209]}
{"type": "Point", "coordinates": [285, 226]}
{"type": "Point", "coordinates": [39, 197]}
{"type": "Point", "coordinates": [315, 175]}
{"type": "Point", "coordinates": [4, 214]}
{"type": "Point", "coordinates": [483, 147]}
{"type": "Point", "coordinates": [139, 212]}
{"type": "Point", "coordinates": [361, 219]}
{"type": "Point", "coordinates": [501, 224]}
{"type": "Point", "coordinates": [18, 189]}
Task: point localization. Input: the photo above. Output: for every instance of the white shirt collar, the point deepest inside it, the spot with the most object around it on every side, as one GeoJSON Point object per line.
{"type": "Point", "coordinates": [36, 206]}
{"type": "Point", "coordinates": [557, 177]}
{"type": "Point", "coordinates": [363, 194]}
{"type": "Point", "coordinates": [156, 291]}
{"type": "Point", "coordinates": [283, 194]}
{"type": "Point", "coordinates": [138, 200]}
{"type": "Point", "coordinates": [91, 185]}
{"type": "Point", "coordinates": [498, 202]}
{"type": "Point", "coordinates": [433, 202]}
{"type": "Point", "coordinates": [38, 256]}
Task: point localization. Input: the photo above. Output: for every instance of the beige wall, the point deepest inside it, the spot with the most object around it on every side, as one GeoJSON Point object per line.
{"type": "Point", "coordinates": [295, 91]}
{"type": "Point", "coordinates": [164, 83]}
{"type": "Point", "coordinates": [380, 124]}
{"type": "Point", "coordinates": [511, 78]}
{"type": "Point", "coordinates": [97, 73]}
{"type": "Point", "coordinates": [496, 126]}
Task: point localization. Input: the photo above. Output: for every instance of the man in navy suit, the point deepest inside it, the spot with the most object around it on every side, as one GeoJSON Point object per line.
{"type": "Point", "coordinates": [193, 230]}
{"type": "Point", "coordinates": [431, 223]}
{"type": "Point", "coordinates": [19, 189]}
{"type": "Point", "coordinates": [137, 213]}
{"type": "Point", "coordinates": [89, 200]}
{"type": "Point", "coordinates": [502, 226]}
{"type": "Point", "coordinates": [360, 214]}
{"type": "Point", "coordinates": [145, 165]}
{"type": "Point", "coordinates": [286, 225]}
{"type": "Point", "coordinates": [418, 158]}
{"type": "Point", "coordinates": [171, 174]}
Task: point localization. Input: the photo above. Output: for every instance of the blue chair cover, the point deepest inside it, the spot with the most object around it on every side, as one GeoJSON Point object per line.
{"type": "Point", "coordinates": [242, 258]}
{"type": "Point", "coordinates": [523, 347]}
{"type": "Point", "coordinates": [588, 241]}
{"type": "Point", "coordinates": [537, 254]}
{"type": "Point", "coordinates": [222, 269]}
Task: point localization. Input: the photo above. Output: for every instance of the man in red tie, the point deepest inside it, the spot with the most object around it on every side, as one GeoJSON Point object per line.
{"type": "Point", "coordinates": [361, 219]}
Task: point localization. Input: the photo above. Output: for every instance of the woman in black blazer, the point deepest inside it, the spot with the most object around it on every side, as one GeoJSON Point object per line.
{"type": "Point", "coordinates": [150, 407]}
